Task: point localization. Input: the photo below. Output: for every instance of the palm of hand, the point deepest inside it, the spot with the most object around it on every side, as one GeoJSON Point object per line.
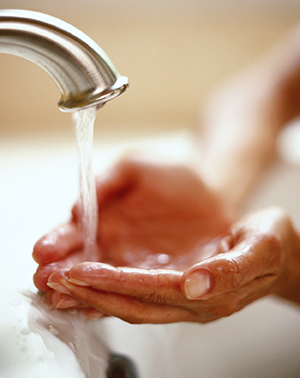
{"type": "Point", "coordinates": [165, 216]}
{"type": "Point", "coordinates": [149, 216]}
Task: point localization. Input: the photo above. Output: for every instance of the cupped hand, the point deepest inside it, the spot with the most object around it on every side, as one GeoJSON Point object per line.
{"type": "Point", "coordinates": [148, 208]}
{"type": "Point", "coordinates": [258, 256]}
{"type": "Point", "coordinates": [151, 215]}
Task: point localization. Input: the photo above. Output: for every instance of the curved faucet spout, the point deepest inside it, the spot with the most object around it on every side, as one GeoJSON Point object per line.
{"type": "Point", "coordinates": [82, 71]}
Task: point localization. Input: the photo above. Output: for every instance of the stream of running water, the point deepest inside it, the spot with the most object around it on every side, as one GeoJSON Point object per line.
{"type": "Point", "coordinates": [84, 126]}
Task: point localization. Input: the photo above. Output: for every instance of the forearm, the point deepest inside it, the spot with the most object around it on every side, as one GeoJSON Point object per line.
{"type": "Point", "coordinates": [288, 286]}
{"type": "Point", "coordinates": [238, 143]}
{"type": "Point", "coordinates": [241, 126]}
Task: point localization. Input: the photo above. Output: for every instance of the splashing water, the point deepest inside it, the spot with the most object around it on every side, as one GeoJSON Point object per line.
{"type": "Point", "coordinates": [73, 345]}
{"type": "Point", "coordinates": [85, 120]}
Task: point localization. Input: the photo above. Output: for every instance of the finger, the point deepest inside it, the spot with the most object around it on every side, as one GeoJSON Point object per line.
{"type": "Point", "coordinates": [245, 262]}
{"type": "Point", "coordinates": [60, 298]}
{"type": "Point", "coordinates": [129, 308]}
{"type": "Point", "coordinates": [40, 278]}
{"type": "Point", "coordinates": [157, 286]}
{"type": "Point", "coordinates": [43, 272]}
{"type": "Point", "coordinates": [60, 301]}
{"type": "Point", "coordinates": [57, 244]}
{"type": "Point", "coordinates": [108, 185]}
{"type": "Point", "coordinates": [55, 278]}
{"type": "Point", "coordinates": [93, 313]}
{"type": "Point", "coordinates": [116, 181]}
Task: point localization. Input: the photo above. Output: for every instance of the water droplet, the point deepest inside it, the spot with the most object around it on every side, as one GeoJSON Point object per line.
{"type": "Point", "coordinates": [25, 331]}
{"type": "Point", "coordinates": [15, 302]}
{"type": "Point", "coordinates": [53, 330]}
{"type": "Point", "coordinates": [87, 193]}
{"type": "Point", "coordinates": [23, 349]}
{"type": "Point", "coordinates": [163, 258]}
{"type": "Point", "coordinates": [72, 346]}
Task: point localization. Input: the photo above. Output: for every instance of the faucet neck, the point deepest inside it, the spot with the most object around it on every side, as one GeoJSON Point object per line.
{"type": "Point", "coordinates": [82, 71]}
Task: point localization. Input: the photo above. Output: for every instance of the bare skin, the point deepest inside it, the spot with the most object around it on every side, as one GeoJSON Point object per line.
{"type": "Point", "coordinates": [150, 215]}
{"type": "Point", "coordinates": [257, 257]}
{"type": "Point", "coordinates": [151, 263]}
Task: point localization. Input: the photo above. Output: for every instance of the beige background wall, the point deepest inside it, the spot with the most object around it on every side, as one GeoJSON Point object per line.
{"type": "Point", "coordinates": [173, 52]}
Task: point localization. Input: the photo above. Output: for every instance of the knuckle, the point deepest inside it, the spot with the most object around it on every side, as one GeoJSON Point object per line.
{"type": "Point", "coordinates": [229, 273]}
{"type": "Point", "coordinates": [273, 242]}
{"type": "Point", "coordinates": [153, 297]}
{"type": "Point", "coordinates": [274, 247]}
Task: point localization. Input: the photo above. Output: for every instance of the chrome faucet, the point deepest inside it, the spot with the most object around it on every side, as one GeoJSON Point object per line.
{"type": "Point", "coordinates": [82, 71]}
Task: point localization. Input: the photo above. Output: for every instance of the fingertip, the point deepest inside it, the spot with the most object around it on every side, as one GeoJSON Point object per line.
{"type": "Point", "coordinates": [66, 303]}
{"type": "Point", "coordinates": [58, 275]}
{"type": "Point", "coordinates": [78, 282]}
{"type": "Point", "coordinates": [75, 213]}
{"type": "Point", "coordinates": [36, 253]}
{"type": "Point", "coordinates": [41, 276]}
{"type": "Point", "coordinates": [215, 276]}
{"type": "Point", "coordinates": [57, 244]}
{"type": "Point", "coordinates": [197, 284]}
{"type": "Point", "coordinates": [58, 300]}
{"type": "Point", "coordinates": [44, 250]}
{"type": "Point", "coordinates": [92, 313]}
{"type": "Point", "coordinates": [78, 271]}
{"type": "Point", "coordinates": [39, 281]}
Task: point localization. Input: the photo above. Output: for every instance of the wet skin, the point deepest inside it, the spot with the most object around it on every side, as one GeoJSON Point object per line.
{"type": "Point", "coordinates": [150, 215]}
{"type": "Point", "coordinates": [151, 263]}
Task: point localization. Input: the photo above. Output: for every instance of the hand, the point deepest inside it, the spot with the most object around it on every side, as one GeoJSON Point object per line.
{"type": "Point", "coordinates": [150, 215]}
{"type": "Point", "coordinates": [260, 255]}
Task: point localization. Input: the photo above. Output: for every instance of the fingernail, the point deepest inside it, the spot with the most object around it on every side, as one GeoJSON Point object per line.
{"type": "Point", "coordinates": [67, 303]}
{"type": "Point", "coordinates": [69, 286]}
{"type": "Point", "coordinates": [59, 287]}
{"type": "Point", "coordinates": [197, 284]}
{"type": "Point", "coordinates": [77, 282]}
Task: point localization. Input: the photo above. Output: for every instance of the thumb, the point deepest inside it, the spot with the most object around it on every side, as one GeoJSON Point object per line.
{"type": "Point", "coordinates": [244, 263]}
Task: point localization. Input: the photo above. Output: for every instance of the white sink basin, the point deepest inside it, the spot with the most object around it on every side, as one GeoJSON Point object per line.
{"type": "Point", "coordinates": [38, 188]}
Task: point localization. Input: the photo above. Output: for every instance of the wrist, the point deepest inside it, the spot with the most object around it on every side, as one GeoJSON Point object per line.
{"type": "Point", "coordinates": [288, 285]}
{"type": "Point", "coordinates": [228, 194]}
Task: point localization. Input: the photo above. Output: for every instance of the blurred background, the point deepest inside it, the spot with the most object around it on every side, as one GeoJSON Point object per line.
{"type": "Point", "coordinates": [174, 53]}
